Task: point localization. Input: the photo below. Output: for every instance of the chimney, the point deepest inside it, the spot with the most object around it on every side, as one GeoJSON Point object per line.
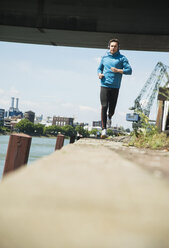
{"type": "Point", "coordinates": [12, 102]}
{"type": "Point", "coordinates": [17, 100]}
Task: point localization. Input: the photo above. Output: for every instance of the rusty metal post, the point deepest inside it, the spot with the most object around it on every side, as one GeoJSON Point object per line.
{"type": "Point", "coordinates": [18, 152]}
{"type": "Point", "coordinates": [72, 139]}
{"type": "Point", "coordinates": [159, 115]}
{"type": "Point", "coordinates": [59, 141]}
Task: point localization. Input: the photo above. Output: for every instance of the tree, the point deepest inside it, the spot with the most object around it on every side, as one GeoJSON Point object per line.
{"type": "Point", "coordinates": [4, 130]}
{"type": "Point", "coordinates": [110, 132]}
{"type": "Point", "coordinates": [39, 129]}
{"type": "Point", "coordinates": [25, 126]}
{"type": "Point", "coordinates": [94, 131]}
{"type": "Point", "coordinates": [53, 130]}
{"type": "Point", "coordinates": [81, 131]}
{"type": "Point", "coordinates": [127, 130]}
{"type": "Point", "coordinates": [68, 131]}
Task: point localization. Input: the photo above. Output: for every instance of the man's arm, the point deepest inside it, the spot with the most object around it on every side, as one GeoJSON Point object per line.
{"type": "Point", "coordinates": [100, 69]}
{"type": "Point", "coordinates": [126, 67]}
{"type": "Point", "coordinates": [101, 75]}
{"type": "Point", "coordinates": [117, 70]}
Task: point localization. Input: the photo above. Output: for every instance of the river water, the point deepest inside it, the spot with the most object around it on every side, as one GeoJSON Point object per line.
{"type": "Point", "coordinates": [39, 147]}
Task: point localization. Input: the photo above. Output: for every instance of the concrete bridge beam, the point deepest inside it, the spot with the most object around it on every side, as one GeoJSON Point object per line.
{"type": "Point", "coordinates": [142, 25]}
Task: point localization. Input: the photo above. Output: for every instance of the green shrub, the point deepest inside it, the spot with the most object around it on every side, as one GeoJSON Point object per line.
{"type": "Point", "coordinates": [148, 135]}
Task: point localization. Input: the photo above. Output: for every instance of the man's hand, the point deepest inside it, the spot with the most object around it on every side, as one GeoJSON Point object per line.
{"type": "Point", "coordinates": [101, 75]}
{"type": "Point", "coordinates": [116, 70]}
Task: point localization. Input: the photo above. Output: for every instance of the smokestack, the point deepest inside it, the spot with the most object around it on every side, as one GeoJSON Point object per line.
{"type": "Point", "coordinates": [17, 100]}
{"type": "Point", "coordinates": [12, 102]}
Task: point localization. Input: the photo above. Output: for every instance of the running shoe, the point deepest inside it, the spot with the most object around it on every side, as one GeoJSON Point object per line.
{"type": "Point", "coordinates": [104, 134]}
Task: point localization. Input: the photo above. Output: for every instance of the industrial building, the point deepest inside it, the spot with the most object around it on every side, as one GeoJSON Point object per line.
{"type": "Point", "coordinates": [2, 113]}
{"type": "Point", "coordinates": [97, 124]}
{"type": "Point", "coordinates": [7, 122]}
{"type": "Point", "coordinates": [38, 119]}
{"type": "Point", "coordinates": [14, 111]}
{"type": "Point", "coordinates": [30, 116]}
{"type": "Point", "coordinates": [62, 121]}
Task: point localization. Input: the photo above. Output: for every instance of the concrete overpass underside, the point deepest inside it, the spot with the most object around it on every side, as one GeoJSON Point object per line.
{"type": "Point", "coordinates": [140, 25]}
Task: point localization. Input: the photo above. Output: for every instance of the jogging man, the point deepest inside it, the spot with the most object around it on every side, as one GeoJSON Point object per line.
{"type": "Point", "coordinates": [112, 66]}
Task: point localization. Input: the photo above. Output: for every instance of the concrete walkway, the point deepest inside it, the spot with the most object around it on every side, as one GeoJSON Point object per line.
{"type": "Point", "coordinates": [85, 195]}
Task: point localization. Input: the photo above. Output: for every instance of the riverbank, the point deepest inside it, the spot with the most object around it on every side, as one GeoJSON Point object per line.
{"type": "Point", "coordinates": [35, 135]}
{"type": "Point", "coordinates": [40, 147]}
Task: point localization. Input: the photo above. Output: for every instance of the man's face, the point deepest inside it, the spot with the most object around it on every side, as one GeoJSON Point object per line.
{"type": "Point", "coordinates": [114, 47]}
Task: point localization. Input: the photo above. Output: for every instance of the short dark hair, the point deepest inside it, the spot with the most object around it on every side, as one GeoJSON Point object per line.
{"type": "Point", "coordinates": [114, 40]}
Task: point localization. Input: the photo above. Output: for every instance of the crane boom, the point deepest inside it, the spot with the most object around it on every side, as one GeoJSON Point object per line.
{"type": "Point", "coordinates": [150, 89]}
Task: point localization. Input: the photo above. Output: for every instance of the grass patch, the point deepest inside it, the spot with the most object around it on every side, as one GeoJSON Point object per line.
{"type": "Point", "coordinates": [153, 141]}
{"type": "Point", "coordinates": [148, 135]}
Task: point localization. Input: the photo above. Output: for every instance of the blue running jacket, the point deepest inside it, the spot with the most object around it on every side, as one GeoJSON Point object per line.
{"type": "Point", "coordinates": [117, 60]}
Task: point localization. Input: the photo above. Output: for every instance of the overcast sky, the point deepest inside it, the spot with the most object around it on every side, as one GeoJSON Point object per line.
{"type": "Point", "coordinates": [63, 81]}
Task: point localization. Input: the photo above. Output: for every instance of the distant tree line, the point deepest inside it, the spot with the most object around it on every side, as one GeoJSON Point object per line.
{"type": "Point", "coordinates": [25, 126]}
{"type": "Point", "coordinates": [4, 130]}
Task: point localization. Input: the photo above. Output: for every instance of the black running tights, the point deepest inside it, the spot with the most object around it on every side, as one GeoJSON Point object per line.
{"type": "Point", "coordinates": [108, 98]}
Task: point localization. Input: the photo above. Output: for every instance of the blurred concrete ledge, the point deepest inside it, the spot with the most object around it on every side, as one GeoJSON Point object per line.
{"type": "Point", "coordinates": [84, 195]}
